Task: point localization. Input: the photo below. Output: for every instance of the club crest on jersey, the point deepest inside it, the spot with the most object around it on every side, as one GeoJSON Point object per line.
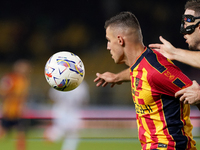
{"type": "Point", "coordinates": [137, 80]}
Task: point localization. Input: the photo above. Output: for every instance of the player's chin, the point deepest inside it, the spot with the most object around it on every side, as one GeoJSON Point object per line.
{"type": "Point", "coordinates": [116, 60]}
{"type": "Point", "coordinates": [120, 62]}
{"type": "Point", "coordinates": [192, 47]}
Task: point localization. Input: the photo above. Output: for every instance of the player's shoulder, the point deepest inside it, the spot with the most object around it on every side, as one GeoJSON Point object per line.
{"type": "Point", "coordinates": [159, 63]}
{"type": "Point", "coordinates": [158, 57]}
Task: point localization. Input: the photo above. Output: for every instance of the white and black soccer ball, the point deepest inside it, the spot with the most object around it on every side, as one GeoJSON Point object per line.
{"type": "Point", "coordinates": [64, 71]}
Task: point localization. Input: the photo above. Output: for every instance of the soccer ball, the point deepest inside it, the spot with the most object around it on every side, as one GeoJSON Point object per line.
{"type": "Point", "coordinates": [64, 71]}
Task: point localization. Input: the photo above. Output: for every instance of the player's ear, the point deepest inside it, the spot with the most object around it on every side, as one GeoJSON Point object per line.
{"type": "Point", "coordinates": [120, 40]}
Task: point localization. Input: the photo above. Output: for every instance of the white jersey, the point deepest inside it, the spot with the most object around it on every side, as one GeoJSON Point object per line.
{"type": "Point", "coordinates": [66, 109]}
{"type": "Point", "coordinates": [71, 100]}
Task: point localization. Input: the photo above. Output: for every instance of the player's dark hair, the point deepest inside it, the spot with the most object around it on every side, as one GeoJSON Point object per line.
{"type": "Point", "coordinates": [123, 19]}
{"type": "Point", "coordinates": [193, 5]}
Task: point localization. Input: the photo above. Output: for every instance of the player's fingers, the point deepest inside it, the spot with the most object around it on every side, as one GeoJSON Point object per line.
{"type": "Point", "coordinates": [104, 84]}
{"type": "Point", "coordinates": [186, 101]}
{"type": "Point", "coordinates": [155, 46]}
{"type": "Point", "coordinates": [96, 79]}
{"type": "Point", "coordinates": [179, 93]}
{"type": "Point", "coordinates": [100, 82]}
{"type": "Point", "coordinates": [112, 85]}
{"type": "Point", "coordinates": [195, 83]}
{"type": "Point", "coordinates": [157, 50]}
{"type": "Point", "coordinates": [182, 98]}
{"type": "Point", "coordinates": [98, 74]}
{"type": "Point", "coordinates": [163, 40]}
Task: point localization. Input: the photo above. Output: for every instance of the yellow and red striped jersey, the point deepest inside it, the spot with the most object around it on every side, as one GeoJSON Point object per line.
{"type": "Point", "coordinates": [163, 121]}
{"type": "Point", "coordinates": [14, 89]}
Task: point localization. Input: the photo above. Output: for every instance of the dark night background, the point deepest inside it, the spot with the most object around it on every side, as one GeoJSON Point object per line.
{"type": "Point", "coordinates": [37, 29]}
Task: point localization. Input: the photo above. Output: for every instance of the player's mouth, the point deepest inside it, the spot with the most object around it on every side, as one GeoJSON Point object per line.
{"type": "Point", "coordinates": [186, 41]}
{"type": "Point", "coordinates": [112, 56]}
{"type": "Point", "coordinates": [111, 53]}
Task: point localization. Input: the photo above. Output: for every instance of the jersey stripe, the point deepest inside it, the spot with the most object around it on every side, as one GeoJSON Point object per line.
{"type": "Point", "coordinates": [179, 83]}
{"type": "Point", "coordinates": [152, 59]}
{"type": "Point", "coordinates": [141, 132]}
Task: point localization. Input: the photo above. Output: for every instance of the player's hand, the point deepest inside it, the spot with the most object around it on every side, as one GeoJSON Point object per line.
{"type": "Point", "coordinates": [166, 48]}
{"type": "Point", "coordinates": [105, 78]}
{"type": "Point", "coordinates": [190, 95]}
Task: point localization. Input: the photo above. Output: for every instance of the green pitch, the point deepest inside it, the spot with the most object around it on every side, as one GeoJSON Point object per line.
{"type": "Point", "coordinates": [90, 144]}
{"type": "Point", "coordinates": [91, 139]}
{"type": "Point", "coordinates": [85, 144]}
{"type": "Point", "coordinates": [104, 141]}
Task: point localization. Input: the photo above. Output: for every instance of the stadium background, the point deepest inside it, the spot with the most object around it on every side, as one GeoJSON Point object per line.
{"type": "Point", "coordinates": [37, 29]}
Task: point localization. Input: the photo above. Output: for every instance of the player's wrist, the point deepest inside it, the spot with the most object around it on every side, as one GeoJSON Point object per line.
{"type": "Point", "coordinates": [175, 53]}
{"type": "Point", "coordinates": [117, 78]}
{"type": "Point", "coordinates": [122, 77]}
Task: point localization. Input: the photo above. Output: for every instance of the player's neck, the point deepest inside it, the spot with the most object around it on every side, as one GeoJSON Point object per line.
{"type": "Point", "coordinates": [133, 53]}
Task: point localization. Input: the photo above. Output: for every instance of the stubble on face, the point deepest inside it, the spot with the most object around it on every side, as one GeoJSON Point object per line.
{"type": "Point", "coordinates": [194, 45]}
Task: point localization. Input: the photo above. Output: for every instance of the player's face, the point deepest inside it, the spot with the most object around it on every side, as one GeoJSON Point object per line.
{"type": "Point", "coordinates": [113, 45]}
{"type": "Point", "coordinates": [193, 39]}
{"type": "Point", "coordinates": [22, 68]}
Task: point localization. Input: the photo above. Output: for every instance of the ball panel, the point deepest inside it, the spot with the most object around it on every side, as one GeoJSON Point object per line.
{"type": "Point", "coordinates": [64, 71]}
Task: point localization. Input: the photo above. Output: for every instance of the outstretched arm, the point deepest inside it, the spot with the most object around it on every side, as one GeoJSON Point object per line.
{"type": "Point", "coordinates": [185, 56]}
{"type": "Point", "coordinates": [112, 78]}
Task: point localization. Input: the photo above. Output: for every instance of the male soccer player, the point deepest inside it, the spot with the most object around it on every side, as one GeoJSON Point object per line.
{"type": "Point", "coordinates": [163, 121]}
{"type": "Point", "coordinates": [14, 89]}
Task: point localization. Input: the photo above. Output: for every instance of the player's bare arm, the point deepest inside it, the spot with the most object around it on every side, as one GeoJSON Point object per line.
{"type": "Point", "coordinates": [112, 78]}
{"type": "Point", "coordinates": [190, 95]}
{"type": "Point", "coordinates": [189, 57]}
{"type": "Point", "coordinates": [185, 56]}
